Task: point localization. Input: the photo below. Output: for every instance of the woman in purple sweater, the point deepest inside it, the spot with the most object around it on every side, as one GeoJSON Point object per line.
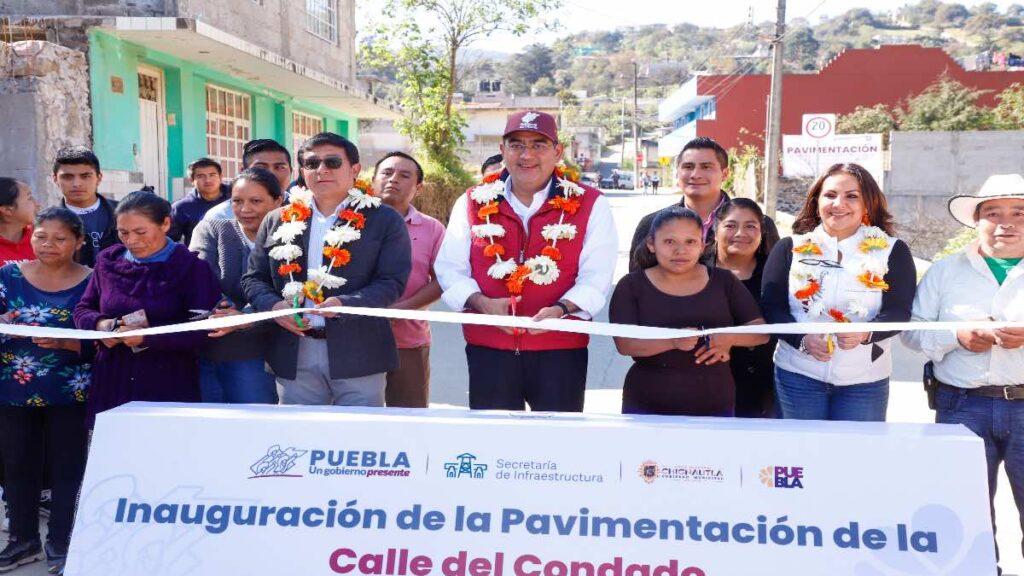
{"type": "Point", "coordinates": [163, 280]}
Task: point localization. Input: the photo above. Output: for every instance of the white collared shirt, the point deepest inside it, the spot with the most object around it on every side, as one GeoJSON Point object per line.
{"type": "Point", "coordinates": [962, 287]}
{"type": "Point", "coordinates": [597, 257]}
{"type": "Point", "coordinates": [319, 226]}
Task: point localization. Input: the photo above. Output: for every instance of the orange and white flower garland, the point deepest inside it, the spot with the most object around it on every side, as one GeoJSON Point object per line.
{"type": "Point", "coordinates": [541, 269]}
{"type": "Point", "coordinates": [294, 222]}
{"type": "Point", "coordinates": [808, 279]}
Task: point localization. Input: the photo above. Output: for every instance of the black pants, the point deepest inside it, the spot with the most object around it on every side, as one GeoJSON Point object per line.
{"type": "Point", "coordinates": [549, 380]}
{"type": "Point", "coordinates": [27, 437]}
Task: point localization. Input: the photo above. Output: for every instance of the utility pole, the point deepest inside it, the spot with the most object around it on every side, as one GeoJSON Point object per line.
{"type": "Point", "coordinates": [622, 133]}
{"type": "Point", "coordinates": [636, 129]}
{"type": "Point", "coordinates": [772, 137]}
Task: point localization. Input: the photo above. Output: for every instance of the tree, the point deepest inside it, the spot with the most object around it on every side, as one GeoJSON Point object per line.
{"type": "Point", "coordinates": [951, 15]}
{"type": "Point", "coordinates": [529, 66]}
{"type": "Point", "coordinates": [1009, 113]}
{"type": "Point", "coordinates": [946, 105]}
{"type": "Point", "coordinates": [421, 42]}
{"type": "Point", "coordinates": [802, 49]}
{"type": "Point", "coordinates": [877, 119]}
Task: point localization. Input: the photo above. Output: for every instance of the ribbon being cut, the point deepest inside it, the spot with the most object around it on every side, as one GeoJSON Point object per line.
{"type": "Point", "coordinates": [591, 328]}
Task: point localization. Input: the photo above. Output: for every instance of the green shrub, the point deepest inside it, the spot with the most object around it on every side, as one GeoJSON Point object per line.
{"type": "Point", "coordinates": [441, 187]}
{"type": "Point", "coordinates": [957, 243]}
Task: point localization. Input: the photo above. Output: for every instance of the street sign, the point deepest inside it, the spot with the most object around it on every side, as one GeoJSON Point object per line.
{"type": "Point", "coordinates": [819, 125]}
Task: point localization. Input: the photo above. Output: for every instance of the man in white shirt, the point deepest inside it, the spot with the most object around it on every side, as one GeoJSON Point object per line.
{"type": "Point", "coordinates": [528, 243]}
{"type": "Point", "coordinates": [981, 371]}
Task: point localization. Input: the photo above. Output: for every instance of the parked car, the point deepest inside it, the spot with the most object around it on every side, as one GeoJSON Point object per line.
{"type": "Point", "coordinates": [624, 180]}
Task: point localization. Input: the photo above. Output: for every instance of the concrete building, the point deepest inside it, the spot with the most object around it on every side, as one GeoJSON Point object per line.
{"type": "Point", "coordinates": [733, 109]}
{"type": "Point", "coordinates": [586, 146]}
{"type": "Point", "coordinates": [486, 116]}
{"type": "Point", "coordinates": [167, 81]}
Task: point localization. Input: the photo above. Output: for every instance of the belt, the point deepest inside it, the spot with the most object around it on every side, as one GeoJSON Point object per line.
{"type": "Point", "coordinates": [1015, 392]}
{"type": "Point", "coordinates": [316, 333]}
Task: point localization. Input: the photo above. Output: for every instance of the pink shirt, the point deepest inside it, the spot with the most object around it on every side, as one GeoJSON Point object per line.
{"type": "Point", "coordinates": [426, 234]}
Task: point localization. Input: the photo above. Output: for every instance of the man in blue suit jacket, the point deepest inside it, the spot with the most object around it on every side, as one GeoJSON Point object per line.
{"type": "Point", "coordinates": [323, 358]}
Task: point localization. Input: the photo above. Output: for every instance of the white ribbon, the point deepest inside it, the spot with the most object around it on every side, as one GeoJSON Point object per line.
{"type": "Point", "coordinates": [577, 326]}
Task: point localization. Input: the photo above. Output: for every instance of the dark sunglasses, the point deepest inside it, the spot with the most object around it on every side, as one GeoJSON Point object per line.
{"type": "Point", "coordinates": [332, 162]}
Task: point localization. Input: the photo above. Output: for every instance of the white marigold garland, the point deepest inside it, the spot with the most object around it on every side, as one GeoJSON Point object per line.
{"type": "Point", "coordinates": [541, 269]}
{"type": "Point", "coordinates": [295, 217]}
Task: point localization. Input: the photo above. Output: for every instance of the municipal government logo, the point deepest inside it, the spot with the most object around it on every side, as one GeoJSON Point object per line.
{"type": "Point", "coordinates": [465, 466]}
{"type": "Point", "coordinates": [648, 471]}
{"type": "Point", "coordinates": [782, 477]}
{"type": "Point", "coordinates": [277, 462]}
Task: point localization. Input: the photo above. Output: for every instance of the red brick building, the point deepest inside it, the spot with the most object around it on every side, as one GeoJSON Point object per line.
{"type": "Point", "coordinates": [733, 109]}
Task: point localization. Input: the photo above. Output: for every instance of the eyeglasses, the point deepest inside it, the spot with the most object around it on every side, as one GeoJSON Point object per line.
{"type": "Point", "coordinates": [332, 162]}
{"type": "Point", "coordinates": [822, 263]}
{"type": "Point", "coordinates": [519, 147]}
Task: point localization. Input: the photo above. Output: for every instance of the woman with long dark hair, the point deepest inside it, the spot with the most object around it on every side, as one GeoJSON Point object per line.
{"type": "Point", "coordinates": [688, 376]}
{"type": "Point", "coordinates": [742, 244]}
{"type": "Point", "coordinates": [843, 264]}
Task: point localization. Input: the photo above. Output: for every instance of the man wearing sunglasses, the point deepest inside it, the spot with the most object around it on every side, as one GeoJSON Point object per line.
{"type": "Point", "coordinates": [547, 370]}
{"type": "Point", "coordinates": [320, 357]}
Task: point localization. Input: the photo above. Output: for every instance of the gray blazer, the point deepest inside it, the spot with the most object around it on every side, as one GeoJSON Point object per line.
{"type": "Point", "coordinates": [220, 244]}
{"type": "Point", "coordinates": [357, 345]}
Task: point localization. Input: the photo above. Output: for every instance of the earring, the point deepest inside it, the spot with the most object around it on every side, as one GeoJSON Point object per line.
{"type": "Point", "coordinates": [866, 220]}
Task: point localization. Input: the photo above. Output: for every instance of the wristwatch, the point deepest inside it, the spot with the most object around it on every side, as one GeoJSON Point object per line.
{"type": "Point", "coordinates": [565, 309]}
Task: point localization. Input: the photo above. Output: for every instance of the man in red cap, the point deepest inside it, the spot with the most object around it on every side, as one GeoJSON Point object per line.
{"type": "Point", "coordinates": [530, 242]}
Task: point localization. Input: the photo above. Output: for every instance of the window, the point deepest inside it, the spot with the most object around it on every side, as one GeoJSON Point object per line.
{"type": "Point", "coordinates": [322, 19]}
{"type": "Point", "coordinates": [304, 127]}
{"type": "Point", "coordinates": [228, 127]}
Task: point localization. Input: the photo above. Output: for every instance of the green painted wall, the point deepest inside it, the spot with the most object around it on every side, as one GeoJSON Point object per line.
{"type": "Point", "coordinates": [116, 116]}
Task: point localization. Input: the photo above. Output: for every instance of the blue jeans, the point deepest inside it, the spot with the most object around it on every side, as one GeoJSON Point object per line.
{"type": "Point", "coordinates": [803, 398]}
{"type": "Point", "coordinates": [1000, 423]}
{"type": "Point", "coordinates": [238, 382]}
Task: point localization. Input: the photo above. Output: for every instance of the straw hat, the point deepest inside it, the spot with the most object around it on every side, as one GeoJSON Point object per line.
{"type": "Point", "coordinates": [963, 207]}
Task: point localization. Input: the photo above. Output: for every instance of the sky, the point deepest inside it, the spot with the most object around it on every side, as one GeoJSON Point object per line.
{"type": "Point", "coordinates": [580, 15]}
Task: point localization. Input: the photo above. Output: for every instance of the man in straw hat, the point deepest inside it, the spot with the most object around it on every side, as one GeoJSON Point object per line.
{"type": "Point", "coordinates": [981, 370]}
{"type": "Point", "coordinates": [530, 242]}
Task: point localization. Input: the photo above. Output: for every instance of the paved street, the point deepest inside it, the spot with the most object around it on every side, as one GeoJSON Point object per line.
{"type": "Point", "coordinates": [607, 371]}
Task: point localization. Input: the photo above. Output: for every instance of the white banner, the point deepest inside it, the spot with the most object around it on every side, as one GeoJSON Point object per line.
{"type": "Point", "coordinates": [216, 490]}
{"type": "Point", "coordinates": [808, 156]}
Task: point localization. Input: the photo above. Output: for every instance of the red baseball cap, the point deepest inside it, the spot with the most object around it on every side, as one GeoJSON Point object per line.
{"type": "Point", "coordinates": [533, 121]}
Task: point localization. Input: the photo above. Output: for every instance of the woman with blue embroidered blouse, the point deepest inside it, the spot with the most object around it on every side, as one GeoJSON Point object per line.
{"type": "Point", "coordinates": [43, 389]}
{"type": "Point", "coordinates": [843, 264]}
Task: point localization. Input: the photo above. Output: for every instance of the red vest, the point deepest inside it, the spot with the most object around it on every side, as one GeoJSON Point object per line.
{"type": "Point", "coordinates": [520, 246]}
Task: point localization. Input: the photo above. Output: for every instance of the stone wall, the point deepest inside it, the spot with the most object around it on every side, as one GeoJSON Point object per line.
{"type": "Point", "coordinates": [89, 7]}
{"type": "Point", "coordinates": [44, 105]}
{"type": "Point", "coordinates": [927, 168]}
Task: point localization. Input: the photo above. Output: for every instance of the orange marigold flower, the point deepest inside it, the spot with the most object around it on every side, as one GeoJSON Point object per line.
{"type": "Point", "coordinates": [295, 213]}
{"type": "Point", "coordinates": [364, 186]}
{"type": "Point", "coordinates": [492, 250]}
{"type": "Point", "coordinates": [808, 291]}
{"type": "Point", "coordinates": [312, 291]}
{"type": "Point", "coordinates": [337, 256]}
{"type": "Point", "coordinates": [551, 252]}
{"type": "Point", "coordinates": [873, 243]}
{"type": "Point", "coordinates": [808, 248]}
{"type": "Point", "coordinates": [354, 218]}
{"type": "Point", "coordinates": [873, 281]}
{"type": "Point", "coordinates": [489, 209]}
{"type": "Point", "coordinates": [568, 205]}
{"type": "Point", "coordinates": [837, 315]}
{"type": "Point", "coordinates": [517, 279]}
{"type": "Point", "coordinates": [289, 268]}
{"type": "Point", "coordinates": [491, 178]}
